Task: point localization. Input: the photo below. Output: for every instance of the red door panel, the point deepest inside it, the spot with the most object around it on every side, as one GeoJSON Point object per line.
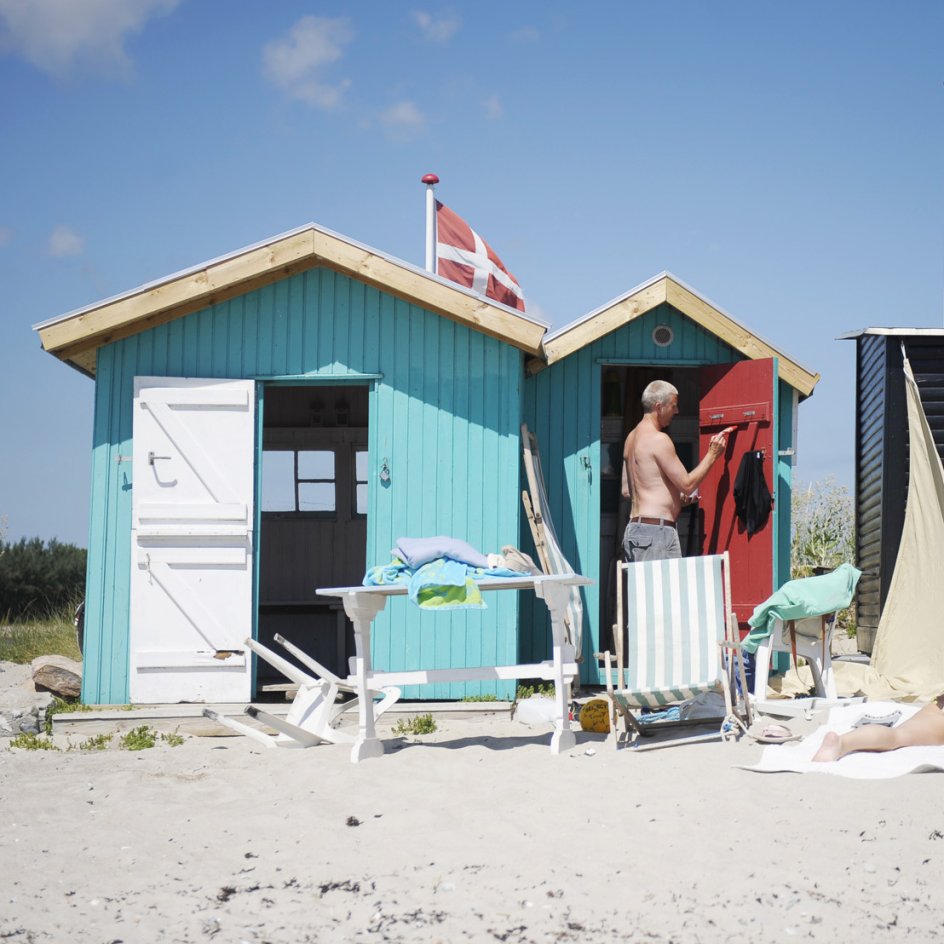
{"type": "Point", "coordinates": [740, 395]}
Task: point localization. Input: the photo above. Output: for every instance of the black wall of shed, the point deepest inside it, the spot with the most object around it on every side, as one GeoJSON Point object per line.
{"type": "Point", "coordinates": [882, 456]}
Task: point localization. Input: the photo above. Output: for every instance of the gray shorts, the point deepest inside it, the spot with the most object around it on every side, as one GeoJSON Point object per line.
{"type": "Point", "coordinates": [643, 542]}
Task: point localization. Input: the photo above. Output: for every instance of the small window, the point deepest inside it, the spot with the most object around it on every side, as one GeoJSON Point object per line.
{"type": "Point", "coordinates": [315, 476]}
{"type": "Point", "coordinates": [278, 481]}
{"type": "Point", "coordinates": [360, 482]}
{"type": "Point", "coordinates": [316, 466]}
{"type": "Point", "coordinates": [298, 481]}
{"type": "Point", "coordinates": [316, 496]}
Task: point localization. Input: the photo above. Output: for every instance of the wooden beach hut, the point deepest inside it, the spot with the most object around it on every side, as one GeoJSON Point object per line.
{"type": "Point", "coordinates": [882, 452]}
{"type": "Point", "coordinates": [582, 398]}
{"type": "Point", "coordinates": [273, 420]}
{"type": "Point", "coordinates": [270, 422]}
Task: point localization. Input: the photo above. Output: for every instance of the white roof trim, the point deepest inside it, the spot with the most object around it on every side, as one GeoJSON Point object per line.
{"type": "Point", "coordinates": [393, 260]}
{"type": "Point", "coordinates": [895, 332]}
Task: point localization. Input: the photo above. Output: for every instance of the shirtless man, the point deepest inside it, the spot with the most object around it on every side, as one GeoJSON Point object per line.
{"type": "Point", "coordinates": [657, 480]}
{"type": "Point", "coordinates": [926, 728]}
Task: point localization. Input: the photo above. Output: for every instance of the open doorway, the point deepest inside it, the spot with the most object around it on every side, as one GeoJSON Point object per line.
{"type": "Point", "coordinates": [313, 529]}
{"type": "Point", "coordinates": [621, 410]}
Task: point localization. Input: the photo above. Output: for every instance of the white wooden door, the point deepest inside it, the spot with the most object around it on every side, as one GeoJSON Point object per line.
{"type": "Point", "coordinates": [192, 540]}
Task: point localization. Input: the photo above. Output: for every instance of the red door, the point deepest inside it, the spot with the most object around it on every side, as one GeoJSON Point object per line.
{"type": "Point", "coordinates": [740, 395]}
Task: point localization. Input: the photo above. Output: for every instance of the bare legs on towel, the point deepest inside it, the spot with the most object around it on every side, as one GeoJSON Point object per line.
{"type": "Point", "coordinates": [926, 728]}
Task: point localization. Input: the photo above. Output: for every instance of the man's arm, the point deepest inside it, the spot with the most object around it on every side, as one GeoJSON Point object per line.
{"type": "Point", "coordinates": [672, 468]}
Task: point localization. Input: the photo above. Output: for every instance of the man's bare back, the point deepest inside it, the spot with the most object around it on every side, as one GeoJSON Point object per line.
{"type": "Point", "coordinates": [652, 492]}
{"type": "Point", "coordinates": [658, 482]}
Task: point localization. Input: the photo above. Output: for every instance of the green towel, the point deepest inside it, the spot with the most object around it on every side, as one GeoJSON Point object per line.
{"type": "Point", "coordinates": [798, 599]}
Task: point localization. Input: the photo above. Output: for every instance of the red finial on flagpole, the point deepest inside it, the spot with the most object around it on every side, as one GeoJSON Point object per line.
{"type": "Point", "coordinates": [429, 179]}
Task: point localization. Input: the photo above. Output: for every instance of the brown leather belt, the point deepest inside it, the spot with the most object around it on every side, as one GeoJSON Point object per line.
{"type": "Point", "coordinates": [661, 522]}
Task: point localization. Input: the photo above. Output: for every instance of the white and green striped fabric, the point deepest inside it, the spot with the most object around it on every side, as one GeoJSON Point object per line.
{"type": "Point", "coordinates": [674, 614]}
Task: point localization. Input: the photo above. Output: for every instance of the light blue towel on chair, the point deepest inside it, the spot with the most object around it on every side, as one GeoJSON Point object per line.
{"type": "Point", "coordinates": [798, 599]}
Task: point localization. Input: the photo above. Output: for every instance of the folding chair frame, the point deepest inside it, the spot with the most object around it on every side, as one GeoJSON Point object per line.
{"type": "Point", "coordinates": [731, 661]}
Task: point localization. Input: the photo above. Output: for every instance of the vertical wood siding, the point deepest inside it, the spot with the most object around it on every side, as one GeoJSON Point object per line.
{"type": "Point", "coordinates": [870, 420]}
{"type": "Point", "coordinates": [444, 417]}
{"type": "Point", "coordinates": [562, 406]}
{"type": "Point", "coordinates": [882, 457]}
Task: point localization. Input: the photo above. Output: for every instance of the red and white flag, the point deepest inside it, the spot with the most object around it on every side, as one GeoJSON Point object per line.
{"type": "Point", "coordinates": [464, 257]}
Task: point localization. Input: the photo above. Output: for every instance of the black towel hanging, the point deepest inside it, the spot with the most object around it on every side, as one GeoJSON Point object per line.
{"type": "Point", "coordinates": [752, 500]}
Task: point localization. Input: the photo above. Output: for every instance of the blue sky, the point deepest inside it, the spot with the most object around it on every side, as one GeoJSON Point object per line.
{"type": "Point", "coordinates": [785, 160]}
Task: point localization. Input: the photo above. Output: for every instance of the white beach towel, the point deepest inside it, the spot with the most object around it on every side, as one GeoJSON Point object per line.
{"type": "Point", "coordinates": [797, 758]}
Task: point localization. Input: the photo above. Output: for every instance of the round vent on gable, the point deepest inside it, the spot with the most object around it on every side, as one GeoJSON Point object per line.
{"type": "Point", "coordinates": [662, 335]}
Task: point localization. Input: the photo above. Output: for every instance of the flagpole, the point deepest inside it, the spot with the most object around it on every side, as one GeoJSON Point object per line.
{"type": "Point", "coordinates": [430, 180]}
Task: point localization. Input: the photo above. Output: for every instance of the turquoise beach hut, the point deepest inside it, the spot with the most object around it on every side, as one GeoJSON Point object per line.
{"type": "Point", "coordinates": [582, 397]}
{"type": "Point", "coordinates": [271, 422]}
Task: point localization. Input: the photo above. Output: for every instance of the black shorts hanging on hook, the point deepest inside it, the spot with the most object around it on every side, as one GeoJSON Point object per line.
{"type": "Point", "coordinates": [752, 500]}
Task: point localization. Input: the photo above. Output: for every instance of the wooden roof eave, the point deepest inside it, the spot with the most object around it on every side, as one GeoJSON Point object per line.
{"type": "Point", "coordinates": [77, 336]}
{"type": "Point", "coordinates": [665, 288]}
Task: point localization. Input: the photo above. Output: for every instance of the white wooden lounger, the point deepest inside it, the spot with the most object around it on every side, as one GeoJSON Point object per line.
{"type": "Point", "coordinates": [314, 709]}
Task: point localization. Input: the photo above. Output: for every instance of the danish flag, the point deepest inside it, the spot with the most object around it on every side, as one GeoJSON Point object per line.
{"type": "Point", "coordinates": [464, 257]}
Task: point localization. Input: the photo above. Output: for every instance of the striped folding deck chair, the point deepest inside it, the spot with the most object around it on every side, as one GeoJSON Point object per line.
{"type": "Point", "coordinates": [680, 641]}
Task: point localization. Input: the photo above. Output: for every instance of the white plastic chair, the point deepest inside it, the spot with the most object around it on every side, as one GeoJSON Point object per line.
{"type": "Point", "coordinates": [809, 638]}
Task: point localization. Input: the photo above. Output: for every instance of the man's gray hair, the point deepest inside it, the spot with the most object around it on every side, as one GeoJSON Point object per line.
{"type": "Point", "coordinates": [657, 393]}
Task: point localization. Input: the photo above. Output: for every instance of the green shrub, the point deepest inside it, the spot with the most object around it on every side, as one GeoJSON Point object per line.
{"type": "Point", "coordinates": [421, 724]}
{"type": "Point", "coordinates": [823, 528]}
{"type": "Point", "coordinates": [823, 537]}
{"type": "Point", "coordinates": [97, 742]}
{"type": "Point", "coordinates": [139, 739]}
{"type": "Point", "coordinates": [39, 578]}
{"type": "Point", "coordinates": [32, 742]}
{"type": "Point", "coordinates": [539, 688]}
{"type": "Point", "coordinates": [59, 705]}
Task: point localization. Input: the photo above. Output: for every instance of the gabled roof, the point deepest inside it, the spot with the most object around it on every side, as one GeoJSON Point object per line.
{"type": "Point", "coordinates": [76, 336]}
{"type": "Point", "coordinates": [657, 291]}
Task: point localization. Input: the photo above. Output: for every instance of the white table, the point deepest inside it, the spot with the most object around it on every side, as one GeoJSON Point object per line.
{"type": "Point", "coordinates": [362, 604]}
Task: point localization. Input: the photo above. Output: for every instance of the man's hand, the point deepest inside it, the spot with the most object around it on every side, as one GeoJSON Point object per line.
{"type": "Point", "coordinates": [718, 442]}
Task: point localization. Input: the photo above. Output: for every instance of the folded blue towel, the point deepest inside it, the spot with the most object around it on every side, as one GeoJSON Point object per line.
{"type": "Point", "coordinates": [439, 584]}
{"type": "Point", "coordinates": [414, 552]}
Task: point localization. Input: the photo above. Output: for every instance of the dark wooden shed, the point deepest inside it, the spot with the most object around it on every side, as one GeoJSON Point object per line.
{"type": "Point", "coordinates": [881, 462]}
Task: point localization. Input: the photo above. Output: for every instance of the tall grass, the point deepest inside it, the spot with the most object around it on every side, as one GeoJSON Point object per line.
{"type": "Point", "coordinates": [824, 535]}
{"type": "Point", "coordinates": [52, 635]}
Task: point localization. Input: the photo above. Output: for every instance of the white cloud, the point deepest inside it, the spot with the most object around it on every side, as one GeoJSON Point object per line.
{"type": "Point", "coordinates": [64, 241]}
{"type": "Point", "coordinates": [56, 36]}
{"type": "Point", "coordinates": [403, 120]}
{"type": "Point", "coordinates": [493, 107]}
{"type": "Point", "coordinates": [436, 29]}
{"type": "Point", "coordinates": [295, 63]}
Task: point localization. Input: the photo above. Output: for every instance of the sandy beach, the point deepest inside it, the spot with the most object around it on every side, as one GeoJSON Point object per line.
{"type": "Point", "coordinates": [475, 832]}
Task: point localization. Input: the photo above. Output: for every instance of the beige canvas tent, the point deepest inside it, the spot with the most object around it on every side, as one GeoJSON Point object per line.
{"type": "Point", "coordinates": [907, 661]}
{"type": "Point", "coordinates": [908, 656]}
